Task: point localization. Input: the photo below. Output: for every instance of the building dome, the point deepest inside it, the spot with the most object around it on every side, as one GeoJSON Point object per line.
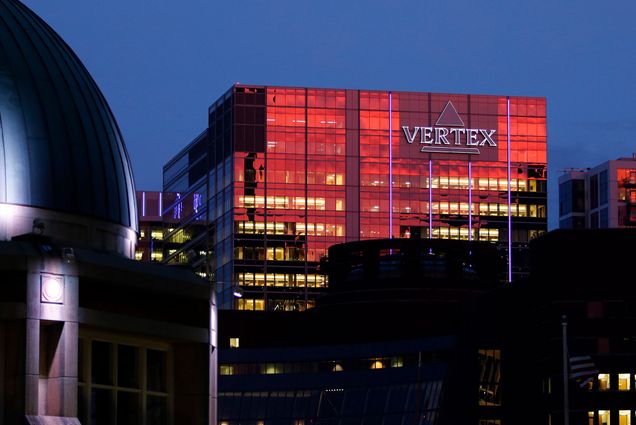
{"type": "Point", "coordinates": [61, 147]}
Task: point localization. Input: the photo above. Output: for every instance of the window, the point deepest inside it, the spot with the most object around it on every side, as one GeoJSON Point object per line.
{"type": "Point", "coordinates": [604, 417]}
{"type": "Point", "coordinates": [594, 191]}
{"type": "Point", "coordinates": [603, 381]}
{"type": "Point", "coordinates": [594, 220]}
{"type": "Point", "coordinates": [490, 377]}
{"type": "Point", "coordinates": [226, 370]}
{"type": "Point", "coordinates": [397, 361]}
{"type": "Point", "coordinates": [603, 187]}
{"type": "Point", "coordinates": [377, 364]}
{"type": "Point", "coordinates": [122, 383]}
{"type": "Point", "coordinates": [624, 383]}
{"type": "Point", "coordinates": [234, 343]}
{"type": "Point", "coordinates": [624, 417]}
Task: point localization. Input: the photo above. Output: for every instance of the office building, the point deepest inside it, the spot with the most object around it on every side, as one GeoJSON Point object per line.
{"type": "Point", "coordinates": [87, 334]}
{"type": "Point", "coordinates": [150, 243]}
{"type": "Point", "coordinates": [281, 174]}
{"type": "Point", "coordinates": [602, 197]}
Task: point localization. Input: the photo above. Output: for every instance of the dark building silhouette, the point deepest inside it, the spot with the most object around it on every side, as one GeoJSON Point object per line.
{"type": "Point", "coordinates": [389, 342]}
{"type": "Point", "coordinates": [423, 332]}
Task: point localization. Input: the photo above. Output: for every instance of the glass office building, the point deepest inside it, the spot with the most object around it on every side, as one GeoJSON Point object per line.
{"type": "Point", "coordinates": [283, 173]}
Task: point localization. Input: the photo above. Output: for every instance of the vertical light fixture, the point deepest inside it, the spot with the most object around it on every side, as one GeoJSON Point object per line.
{"type": "Point", "coordinates": [430, 198]}
{"type": "Point", "coordinates": [390, 165]}
{"type": "Point", "coordinates": [509, 198]}
{"type": "Point", "coordinates": [470, 199]}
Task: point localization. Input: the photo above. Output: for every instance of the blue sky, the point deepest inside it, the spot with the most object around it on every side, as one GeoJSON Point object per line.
{"type": "Point", "coordinates": [161, 64]}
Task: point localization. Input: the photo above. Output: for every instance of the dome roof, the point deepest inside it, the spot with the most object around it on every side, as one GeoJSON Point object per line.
{"type": "Point", "coordinates": [60, 147]}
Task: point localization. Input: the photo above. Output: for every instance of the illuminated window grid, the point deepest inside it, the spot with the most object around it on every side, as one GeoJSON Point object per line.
{"type": "Point", "coordinates": [250, 304]}
{"type": "Point", "coordinates": [304, 171]}
{"type": "Point", "coordinates": [338, 365]}
{"type": "Point", "coordinates": [290, 228]}
{"type": "Point", "coordinates": [281, 280]}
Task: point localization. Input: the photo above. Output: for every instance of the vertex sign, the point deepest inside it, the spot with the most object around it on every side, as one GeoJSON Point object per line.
{"type": "Point", "coordinates": [449, 135]}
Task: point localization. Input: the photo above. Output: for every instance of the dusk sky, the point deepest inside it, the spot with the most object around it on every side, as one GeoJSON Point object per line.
{"type": "Point", "coordinates": [160, 64]}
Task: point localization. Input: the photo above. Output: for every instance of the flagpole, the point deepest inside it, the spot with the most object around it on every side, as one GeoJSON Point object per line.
{"type": "Point", "coordinates": [566, 397]}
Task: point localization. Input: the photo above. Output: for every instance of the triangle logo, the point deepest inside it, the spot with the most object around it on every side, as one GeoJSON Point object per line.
{"type": "Point", "coordinates": [449, 117]}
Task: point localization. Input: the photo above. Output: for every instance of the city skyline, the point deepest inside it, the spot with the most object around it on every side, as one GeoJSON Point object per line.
{"type": "Point", "coordinates": [160, 68]}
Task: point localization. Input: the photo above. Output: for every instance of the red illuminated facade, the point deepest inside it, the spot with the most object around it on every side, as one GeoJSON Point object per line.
{"type": "Point", "coordinates": [283, 173]}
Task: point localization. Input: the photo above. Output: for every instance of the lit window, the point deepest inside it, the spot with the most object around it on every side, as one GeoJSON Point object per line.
{"type": "Point", "coordinates": [271, 368]}
{"type": "Point", "coordinates": [337, 367]}
{"type": "Point", "coordinates": [234, 343]}
{"type": "Point", "coordinates": [624, 383]}
{"type": "Point", "coordinates": [590, 418]}
{"type": "Point", "coordinates": [604, 417]}
{"type": "Point", "coordinates": [624, 417]}
{"type": "Point", "coordinates": [226, 370]}
{"type": "Point", "coordinates": [377, 364]}
{"type": "Point", "coordinates": [397, 361]}
{"type": "Point", "coordinates": [603, 381]}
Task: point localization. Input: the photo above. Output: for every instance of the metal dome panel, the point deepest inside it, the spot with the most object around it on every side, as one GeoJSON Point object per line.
{"type": "Point", "coordinates": [60, 146]}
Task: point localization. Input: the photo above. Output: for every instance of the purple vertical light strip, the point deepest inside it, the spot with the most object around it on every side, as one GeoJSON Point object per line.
{"type": "Point", "coordinates": [509, 199]}
{"type": "Point", "coordinates": [161, 204]}
{"type": "Point", "coordinates": [390, 165]}
{"type": "Point", "coordinates": [470, 200]}
{"type": "Point", "coordinates": [143, 204]}
{"type": "Point", "coordinates": [430, 199]}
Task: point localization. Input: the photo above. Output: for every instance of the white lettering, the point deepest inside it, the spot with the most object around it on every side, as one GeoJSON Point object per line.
{"type": "Point", "coordinates": [407, 133]}
{"type": "Point", "coordinates": [458, 134]}
{"type": "Point", "coordinates": [427, 135]}
{"type": "Point", "coordinates": [440, 135]}
{"type": "Point", "coordinates": [488, 137]}
{"type": "Point", "coordinates": [471, 137]}
{"type": "Point", "coordinates": [447, 136]}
